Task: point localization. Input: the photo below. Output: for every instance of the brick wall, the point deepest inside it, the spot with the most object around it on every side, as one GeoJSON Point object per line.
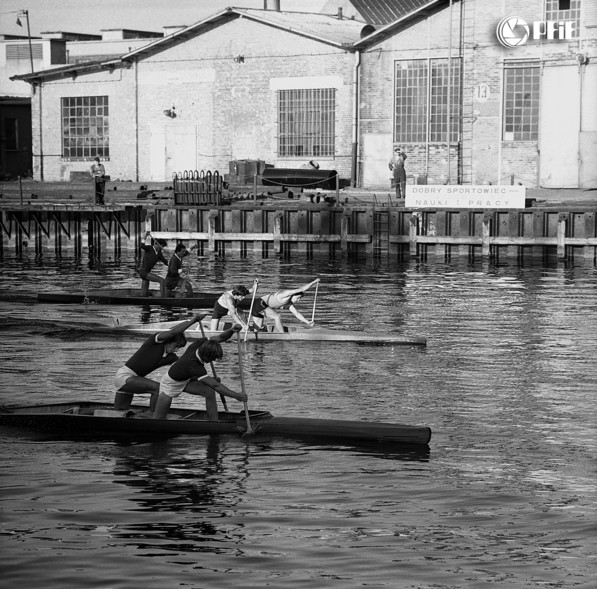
{"type": "Point", "coordinates": [482, 156]}
{"type": "Point", "coordinates": [223, 86]}
{"type": "Point", "coordinates": [226, 107]}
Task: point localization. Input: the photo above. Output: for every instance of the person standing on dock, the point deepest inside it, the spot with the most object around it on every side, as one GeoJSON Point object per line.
{"type": "Point", "coordinates": [152, 254]}
{"type": "Point", "coordinates": [188, 375]}
{"type": "Point", "coordinates": [228, 303]}
{"type": "Point", "coordinates": [98, 173]}
{"type": "Point", "coordinates": [157, 350]}
{"type": "Point", "coordinates": [270, 304]}
{"type": "Point", "coordinates": [397, 166]}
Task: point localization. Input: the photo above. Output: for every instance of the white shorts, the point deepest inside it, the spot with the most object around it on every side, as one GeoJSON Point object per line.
{"type": "Point", "coordinates": [172, 387]}
{"type": "Point", "coordinates": [123, 374]}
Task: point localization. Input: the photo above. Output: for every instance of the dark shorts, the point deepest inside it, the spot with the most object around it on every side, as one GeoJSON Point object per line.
{"type": "Point", "coordinates": [219, 311]}
{"type": "Point", "coordinates": [173, 282]}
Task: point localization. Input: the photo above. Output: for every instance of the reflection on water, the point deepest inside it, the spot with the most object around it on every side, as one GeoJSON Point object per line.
{"type": "Point", "coordinates": [504, 496]}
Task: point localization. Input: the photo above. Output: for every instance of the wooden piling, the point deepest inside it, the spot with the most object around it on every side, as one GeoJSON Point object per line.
{"type": "Point", "coordinates": [301, 231]}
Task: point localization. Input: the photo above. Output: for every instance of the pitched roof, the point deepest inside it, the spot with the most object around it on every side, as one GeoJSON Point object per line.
{"type": "Point", "coordinates": [386, 11]}
{"type": "Point", "coordinates": [421, 10]}
{"type": "Point", "coordinates": [72, 70]}
{"type": "Point", "coordinates": [324, 28]}
{"type": "Point", "coordinates": [375, 12]}
{"type": "Point", "coordinates": [348, 34]}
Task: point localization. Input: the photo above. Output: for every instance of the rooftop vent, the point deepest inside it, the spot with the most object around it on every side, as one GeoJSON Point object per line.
{"type": "Point", "coordinates": [367, 30]}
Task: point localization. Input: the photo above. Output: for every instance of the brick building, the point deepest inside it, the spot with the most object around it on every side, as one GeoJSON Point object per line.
{"type": "Point", "coordinates": [289, 87]}
{"type": "Point", "coordinates": [519, 113]}
{"type": "Point", "coordinates": [19, 54]}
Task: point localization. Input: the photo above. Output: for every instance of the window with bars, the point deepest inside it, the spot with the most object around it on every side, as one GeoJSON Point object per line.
{"type": "Point", "coordinates": [306, 122]}
{"type": "Point", "coordinates": [562, 10]}
{"type": "Point", "coordinates": [427, 106]}
{"type": "Point", "coordinates": [85, 129]}
{"type": "Point", "coordinates": [521, 102]}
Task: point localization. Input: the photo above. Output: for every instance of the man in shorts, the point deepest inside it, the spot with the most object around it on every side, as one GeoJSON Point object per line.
{"type": "Point", "coordinates": [228, 303]}
{"type": "Point", "coordinates": [188, 375]}
{"type": "Point", "coordinates": [270, 305]}
{"type": "Point", "coordinates": [178, 281]}
{"type": "Point", "coordinates": [158, 350]}
{"type": "Point", "coordinates": [152, 254]}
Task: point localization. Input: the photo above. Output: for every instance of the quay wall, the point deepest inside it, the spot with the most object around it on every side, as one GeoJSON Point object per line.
{"type": "Point", "coordinates": [364, 232]}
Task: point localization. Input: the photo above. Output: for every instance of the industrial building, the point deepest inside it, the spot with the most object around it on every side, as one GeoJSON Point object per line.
{"type": "Point", "coordinates": [475, 92]}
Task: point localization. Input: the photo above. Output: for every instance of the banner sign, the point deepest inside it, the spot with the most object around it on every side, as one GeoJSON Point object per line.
{"type": "Point", "coordinates": [451, 196]}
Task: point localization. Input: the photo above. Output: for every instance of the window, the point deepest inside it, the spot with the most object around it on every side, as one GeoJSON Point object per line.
{"type": "Point", "coordinates": [423, 99]}
{"type": "Point", "coordinates": [85, 130]}
{"type": "Point", "coordinates": [11, 133]}
{"type": "Point", "coordinates": [306, 122]}
{"type": "Point", "coordinates": [562, 10]}
{"type": "Point", "coordinates": [521, 102]}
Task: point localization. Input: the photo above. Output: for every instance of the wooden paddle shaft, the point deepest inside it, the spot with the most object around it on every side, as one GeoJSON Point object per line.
{"type": "Point", "coordinates": [314, 301]}
{"type": "Point", "coordinates": [213, 369]}
{"type": "Point", "coordinates": [242, 383]}
{"type": "Point", "coordinates": [251, 308]}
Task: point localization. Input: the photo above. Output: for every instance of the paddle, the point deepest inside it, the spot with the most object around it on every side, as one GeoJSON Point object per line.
{"type": "Point", "coordinates": [314, 301]}
{"type": "Point", "coordinates": [255, 282]}
{"type": "Point", "coordinates": [213, 369]}
{"type": "Point", "coordinates": [242, 383]}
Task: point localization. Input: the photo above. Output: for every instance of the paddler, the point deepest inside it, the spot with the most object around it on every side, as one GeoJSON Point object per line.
{"type": "Point", "coordinates": [188, 375]}
{"type": "Point", "coordinates": [158, 350]}
{"type": "Point", "coordinates": [270, 304]}
{"type": "Point", "coordinates": [228, 304]}
{"type": "Point", "coordinates": [152, 254]}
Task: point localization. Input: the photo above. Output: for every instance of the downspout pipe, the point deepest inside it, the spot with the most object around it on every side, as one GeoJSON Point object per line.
{"type": "Point", "coordinates": [449, 106]}
{"type": "Point", "coordinates": [136, 64]}
{"type": "Point", "coordinates": [41, 135]}
{"type": "Point", "coordinates": [355, 119]}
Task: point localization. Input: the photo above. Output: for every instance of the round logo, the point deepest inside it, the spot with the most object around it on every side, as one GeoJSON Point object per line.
{"type": "Point", "coordinates": [512, 31]}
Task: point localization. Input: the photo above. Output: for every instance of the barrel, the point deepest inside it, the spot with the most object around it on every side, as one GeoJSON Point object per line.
{"type": "Point", "coordinates": [300, 178]}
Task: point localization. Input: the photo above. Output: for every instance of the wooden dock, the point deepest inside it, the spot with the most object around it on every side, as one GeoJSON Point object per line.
{"type": "Point", "coordinates": [302, 229]}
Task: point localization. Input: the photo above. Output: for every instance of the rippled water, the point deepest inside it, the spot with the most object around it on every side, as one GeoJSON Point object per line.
{"type": "Point", "coordinates": [503, 497]}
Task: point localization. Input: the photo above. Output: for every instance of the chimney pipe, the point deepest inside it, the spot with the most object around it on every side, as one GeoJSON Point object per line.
{"type": "Point", "coordinates": [339, 12]}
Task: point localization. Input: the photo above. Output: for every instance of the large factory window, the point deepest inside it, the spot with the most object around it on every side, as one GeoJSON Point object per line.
{"type": "Point", "coordinates": [564, 10]}
{"type": "Point", "coordinates": [306, 122]}
{"type": "Point", "coordinates": [427, 106]}
{"type": "Point", "coordinates": [85, 129]}
{"type": "Point", "coordinates": [521, 102]}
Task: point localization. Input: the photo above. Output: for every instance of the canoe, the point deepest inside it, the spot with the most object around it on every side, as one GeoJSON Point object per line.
{"type": "Point", "coordinates": [131, 296]}
{"type": "Point", "coordinates": [92, 418]}
{"type": "Point", "coordinates": [292, 333]}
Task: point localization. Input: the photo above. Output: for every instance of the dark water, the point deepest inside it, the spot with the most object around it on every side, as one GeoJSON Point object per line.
{"type": "Point", "coordinates": [503, 497]}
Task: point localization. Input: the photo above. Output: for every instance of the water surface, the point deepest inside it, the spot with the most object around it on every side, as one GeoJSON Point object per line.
{"type": "Point", "coordinates": [503, 497]}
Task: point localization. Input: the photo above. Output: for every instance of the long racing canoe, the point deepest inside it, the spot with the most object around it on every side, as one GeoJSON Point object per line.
{"type": "Point", "coordinates": [291, 333]}
{"type": "Point", "coordinates": [91, 419]}
{"type": "Point", "coordinates": [131, 296]}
